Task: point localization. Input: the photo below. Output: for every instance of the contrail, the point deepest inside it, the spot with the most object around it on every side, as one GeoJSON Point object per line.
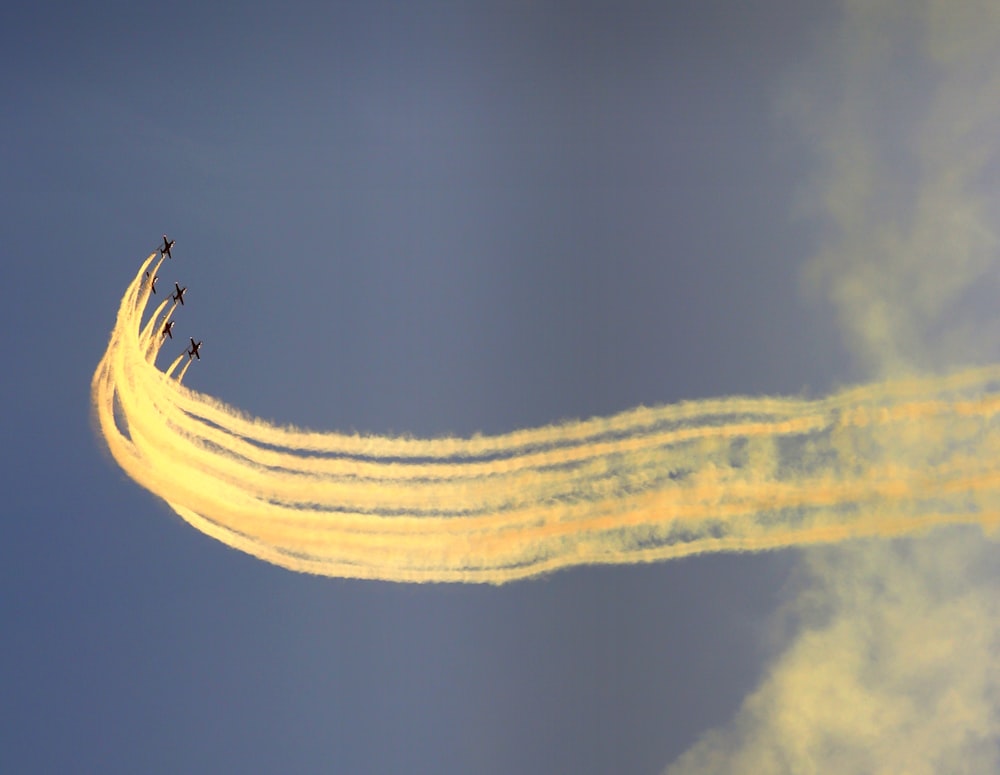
{"type": "Point", "coordinates": [736, 474]}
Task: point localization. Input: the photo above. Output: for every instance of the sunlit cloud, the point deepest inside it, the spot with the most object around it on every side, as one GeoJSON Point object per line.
{"type": "Point", "coordinates": [893, 668]}
{"type": "Point", "coordinates": [891, 660]}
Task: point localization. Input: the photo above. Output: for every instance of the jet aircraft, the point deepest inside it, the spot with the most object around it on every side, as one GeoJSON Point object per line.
{"type": "Point", "coordinates": [192, 351]}
{"type": "Point", "coordinates": [178, 294]}
{"type": "Point", "coordinates": [167, 329]}
{"type": "Point", "coordinates": [165, 250]}
{"type": "Point", "coordinates": [152, 281]}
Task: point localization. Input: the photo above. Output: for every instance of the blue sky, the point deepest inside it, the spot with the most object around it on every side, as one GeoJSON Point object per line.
{"type": "Point", "coordinates": [451, 219]}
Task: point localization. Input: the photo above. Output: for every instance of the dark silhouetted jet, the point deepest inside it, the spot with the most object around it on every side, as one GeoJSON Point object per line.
{"type": "Point", "coordinates": [165, 250]}
{"type": "Point", "coordinates": [167, 329]}
{"type": "Point", "coordinates": [152, 281]}
{"type": "Point", "coordinates": [192, 351]}
{"type": "Point", "coordinates": [178, 294]}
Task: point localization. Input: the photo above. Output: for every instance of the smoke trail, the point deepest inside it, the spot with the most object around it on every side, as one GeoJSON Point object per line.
{"type": "Point", "coordinates": [653, 483]}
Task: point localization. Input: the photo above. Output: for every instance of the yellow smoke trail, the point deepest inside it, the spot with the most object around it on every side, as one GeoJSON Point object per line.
{"type": "Point", "coordinates": [652, 483]}
{"type": "Point", "coordinates": [180, 377]}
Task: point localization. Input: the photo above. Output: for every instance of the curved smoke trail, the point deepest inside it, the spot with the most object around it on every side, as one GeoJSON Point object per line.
{"type": "Point", "coordinates": [648, 484]}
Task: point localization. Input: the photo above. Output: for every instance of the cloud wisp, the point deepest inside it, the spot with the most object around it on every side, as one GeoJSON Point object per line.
{"type": "Point", "coordinates": [739, 474]}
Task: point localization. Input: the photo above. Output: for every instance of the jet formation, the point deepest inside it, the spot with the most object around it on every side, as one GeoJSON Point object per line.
{"type": "Point", "coordinates": [178, 296]}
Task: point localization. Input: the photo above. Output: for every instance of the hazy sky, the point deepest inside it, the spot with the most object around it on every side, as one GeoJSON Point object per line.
{"type": "Point", "coordinates": [482, 217]}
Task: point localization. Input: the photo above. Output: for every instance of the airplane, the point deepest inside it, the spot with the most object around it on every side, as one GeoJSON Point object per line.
{"type": "Point", "coordinates": [165, 250]}
{"type": "Point", "coordinates": [192, 351]}
{"type": "Point", "coordinates": [178, 294]}
{"type": "Point", "coordinates": [152, 281]}
{"type": "Point", "coordinates": [166, 329]}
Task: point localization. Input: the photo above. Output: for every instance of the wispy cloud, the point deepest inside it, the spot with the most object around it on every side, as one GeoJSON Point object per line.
{"type": "Point", "coordinates": [893, 668]}
{"type": "Point", "coordinates": [893, 665]}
